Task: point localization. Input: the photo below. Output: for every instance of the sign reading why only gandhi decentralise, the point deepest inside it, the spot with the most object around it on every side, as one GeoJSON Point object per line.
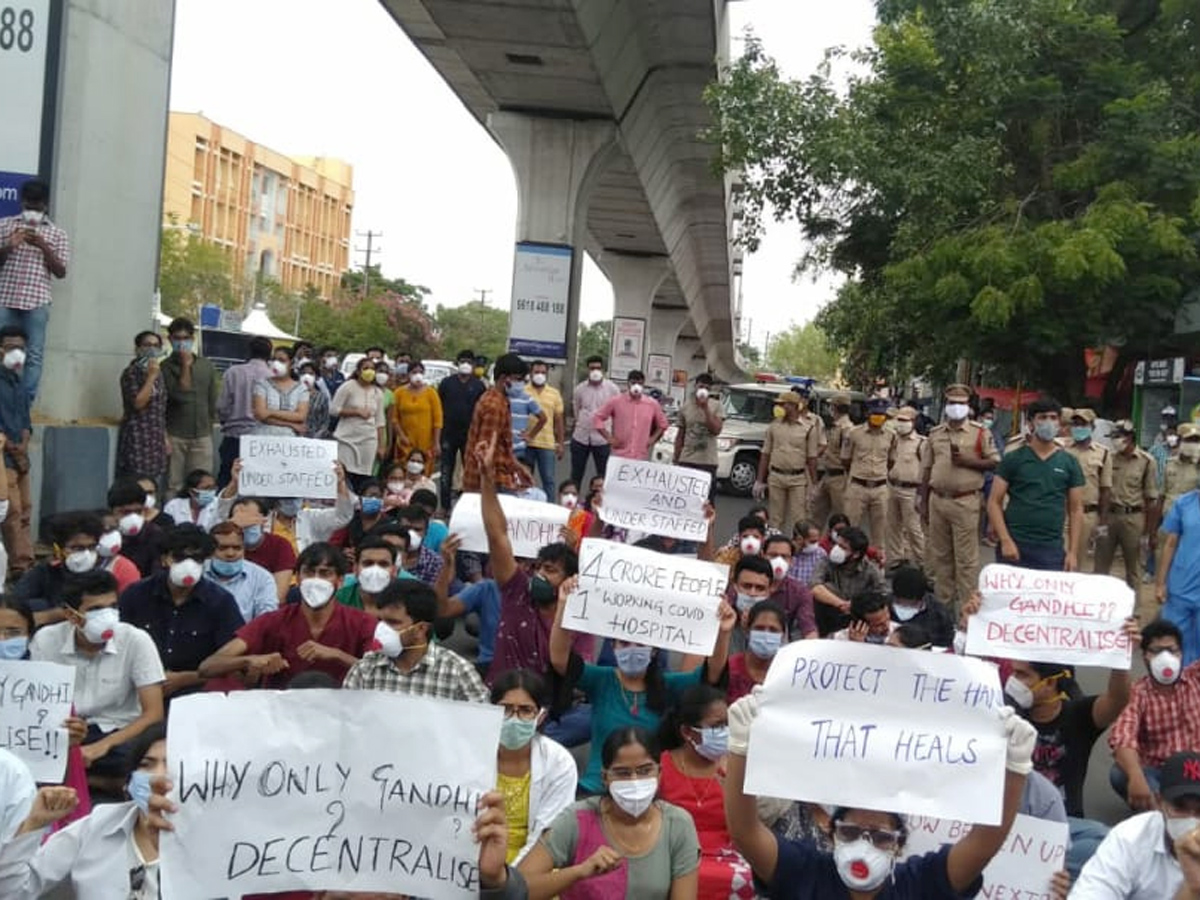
{"type": "Point", "coordinates": [288, 467]}
{"type": "Point", "coordinates": [1033, 851]}
{"type": "Point", "coordinates": [1058, 617]}
{"type": "Point", "coordinates": [531, 524]}
{"type": "Point", "coordinates": [659, 499]}
{"type": "Point", "coordinates": [35, 700]}
{"type": "Point", "coordinates": [653, 598]}
{"type": "Point", "coordinates": [304, 791]}
{"type": "Point", "coordinates": [879, 727]}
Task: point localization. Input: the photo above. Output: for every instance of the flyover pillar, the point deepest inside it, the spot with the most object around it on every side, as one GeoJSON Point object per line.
{"type": "Point", "coordinates": [635, 280]}
{"type": "Point", "coordinates": [665, 326]}
{"type": "Point", "coordinates": [556, 162]}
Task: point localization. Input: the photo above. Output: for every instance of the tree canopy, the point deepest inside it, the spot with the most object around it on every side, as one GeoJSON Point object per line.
{"type": "Point", "coordinates": [803, 350]}
{"type": "Point", "coordinates": [1010, 182]}
{"type": "Point", "coordinates": [192, 272]}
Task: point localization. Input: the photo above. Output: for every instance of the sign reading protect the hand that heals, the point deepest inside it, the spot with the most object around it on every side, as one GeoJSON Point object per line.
{"type": "Point", "coordinates": [1033, 851]}
{"type": "Point", "coordinates": [307, 791]}
{"type": "Point", "coordinates": [531, 524]}
{"type": "Point", "coordinates": [880, 727]}
{"type": "Point", "coordinates": [1056, 617]}
{"type": "Point", "coordinates": [657, 599]}
{"type": "Point", "coordinates": [35, 700]}
{"type": "Point", "coordinates": [659, 499]}
{"type": "Point", "coordinates": [287, 467]}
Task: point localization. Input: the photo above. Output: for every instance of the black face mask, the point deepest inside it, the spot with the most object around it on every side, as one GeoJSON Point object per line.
{"type": "Point", "coordinates": [541, 591]}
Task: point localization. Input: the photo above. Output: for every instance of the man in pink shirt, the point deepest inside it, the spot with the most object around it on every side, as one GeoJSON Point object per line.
{"type": "Point", "coordinates": [637, 420]}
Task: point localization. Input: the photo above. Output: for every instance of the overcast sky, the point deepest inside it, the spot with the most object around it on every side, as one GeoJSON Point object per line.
{"type": "Point", "coordinates": [288, 74]}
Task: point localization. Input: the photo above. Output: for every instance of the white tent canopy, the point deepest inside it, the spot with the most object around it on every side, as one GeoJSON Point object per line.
{"type": "Point", "coordinates": [260, 324]}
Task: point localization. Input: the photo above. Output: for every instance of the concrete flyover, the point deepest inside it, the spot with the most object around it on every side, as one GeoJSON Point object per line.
{"type": "Point", "coordinates": [599, 106]}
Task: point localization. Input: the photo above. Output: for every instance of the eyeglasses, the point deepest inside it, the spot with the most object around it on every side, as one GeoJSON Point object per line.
{"type": "Point", "coordinates": [9, 633]}
{"type": "Point", "coordinates": [625, 773]}
{"type": "Point", "coordinates": [524, 712]}
{"type": "Point", "coordinates": [882, 838]}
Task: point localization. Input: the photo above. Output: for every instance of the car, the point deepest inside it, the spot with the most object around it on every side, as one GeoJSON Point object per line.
{"type": "Point", "coordinates": [748, 410]}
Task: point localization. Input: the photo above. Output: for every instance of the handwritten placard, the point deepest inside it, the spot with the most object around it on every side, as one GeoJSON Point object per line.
{"type": "Point", "coordinates": [1033, 851]}
{"type": "Point", "coordinates": [1057, 617]}
{"type": "Point", "coordinates": [35, 700]}
{"type": "Point", "coordinates": [659, 499]}
{"type": "Point", "coordinates": [305, 791]}
{"type": "Point", "coordinates": [652, 598]}
{"type": "Point", "coordinates": [287, 467]}
{"type": "Point", "coordinates": [882, 728]}
{"type": "Point", "coordinates": [531, 524]}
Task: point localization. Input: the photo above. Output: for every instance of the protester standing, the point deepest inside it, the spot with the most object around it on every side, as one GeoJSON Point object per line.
{"type": "Point", "coordinates": [697, 427]}
{"type": "Point", "coordinates": [142, 445]}
{"type": "Point", "coordinates": [360, 432]}
{"type": "Point", "coordinates": [192, 386]}
{"type": "Point", "coordinates": [235, 405]}
{"type": "Point", "coordinates": [631, 422]}
{"type": "Point", "coordinates": [586, 439]}
{"type": "Point", "coordinates": [458, 394]}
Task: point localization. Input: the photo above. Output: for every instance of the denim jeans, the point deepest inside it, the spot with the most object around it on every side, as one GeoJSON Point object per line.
{"type": "Point", "coordinates": [33, 322]}
{"type": "Point", "coordinates": [579, 459]}
{"type": "Point", "coordinates": [1045, 557]}
{"type": "Point", "coordinates": [1086, 835]}
{"type": "Point", "coordinates": [1120, 781]}
{"type": "Point", "coordinates": [541, 460]}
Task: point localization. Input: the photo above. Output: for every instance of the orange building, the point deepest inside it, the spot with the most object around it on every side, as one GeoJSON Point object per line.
{"type": "Point", "coordinates": [286, 217]}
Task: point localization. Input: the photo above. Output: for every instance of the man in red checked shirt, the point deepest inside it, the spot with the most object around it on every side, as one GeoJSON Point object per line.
{"type": "Point", "coordinates": [32, 251]}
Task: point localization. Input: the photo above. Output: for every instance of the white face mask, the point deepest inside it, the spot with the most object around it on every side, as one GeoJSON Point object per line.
{"type": "Point", "coordinates": [903, 426]}
{"type": "Point", "coordinates": [779, 567]}
{"type": "Point", "coordinates": [278, 368]}
{"type": "Point", "coordinates": [389, 640]}
{"type": "Point", "coordinates": [1172, 440]}
{"type": "Point", "coordinates": [99, 624]}
{"type": "Point", "coordinates": [1019, 692]}
{"type": "Point", "coordinates": [634, 797]}
{"type": "Point", "coordinates": [331, 362]}
{"type": "Point", "coordinates": [538, 379]}
{"type": "Point", "coordinates": [186, 572]}
{"type": "Point", "coordinates": [395, 487]}
{"type": "Point", "coordinates": [131, 524]}
{"type": "Point", "coordinates": [861, 865]}
{"type": "Point", "coordinates": [837, 554]}
{"type": "Point", "coordinates": [595, 376]}
{"type": "Point", "coordinates": [316, 592]}
{"type": "Point", "coordinates": [414, 541]}
{"type": "Point", "coordinates": [33, 216]}
{"type": "Point", "coordinates": [1181, 827]}
{"type": "Point", "coordinates": [81, 561]}
{"type": "Point", "coordinates": [570, 500]}
{"type": "Point", "coordinates": [1164, 667]}
{"type": "Point", "coordinates": [416, 379]}
{"type": "Point", "coordinates": [374, 578]}
{"type": "Point", "coordinates": [701, 394]}
{"type": "Point", "coordinates": [109, 545]}
{"type": "Point", "coordinates": [415, 467]}
{"type": "Point", "coordinates": [635, 390]}
{"type": "Point", "coordinates": [957, 411]}
{"type": "Point", "coordinates": [751, 545]}
{"type": "Point", "coordinates": [151, 501]}
{"type": "Point", "coordinates": [308, 379]}
{"type": "Point", "coordinates": [463, 369]}
{"type": "Point", "coordinates": [905, 611]}
{"type": "Point", "coordinates": [14, 358]}
{"type": "Point", "coordinates": [381, 378]}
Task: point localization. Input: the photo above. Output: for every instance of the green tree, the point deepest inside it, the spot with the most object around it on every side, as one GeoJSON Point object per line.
{"type": "Point", "coordinates": [377, 285]}
{"type": "Point", "coordinates": [751, 354]}
{"type": "Point", "coordinates": [1008, 182]}
{"type": "Point", "coordinates": [803, 350]}
{"type": "Point", "coordinates": [474, 326]}
{"type": "Point", "coordinates": [594, 340]}
{"type": "Point", "coordinates": [192, 273]}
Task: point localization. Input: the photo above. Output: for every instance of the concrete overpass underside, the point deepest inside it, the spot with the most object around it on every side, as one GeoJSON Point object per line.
{"type": "Point", "coordinates": [635, 70]}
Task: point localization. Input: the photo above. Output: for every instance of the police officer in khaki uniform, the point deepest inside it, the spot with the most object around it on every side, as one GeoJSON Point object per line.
{"type": "Point", "coordinates": [1132, 515]}
{"type": "Point", "coordinates": [1096, 462]}
{"type": "Point", "coordinates": [830, 493]}
{"type": "Point", "coordinates": [905, 537]}
{"type": "Point", "coordinates": [788, 463]}
{"type": "Point", "coordinates": [866, 450]}
{"type": "Point", "coordinates": [954, 459]}
{"type": "Point", "coordinates": [1182, 473]}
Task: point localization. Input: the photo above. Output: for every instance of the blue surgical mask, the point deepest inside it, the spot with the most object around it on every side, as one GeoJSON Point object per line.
{"type": "Point", "coordinates": [139, 789]}
{"type": "Point", "coordinates": [633, 660]}
{"type": "Point", "coordinates": [1046, 430]}
{"type": "Point", "coordinates": [372, 506]}
{"type": "Point", "coordinates": [252, 535]}
{"type": "Point", "coordinates": [226, 568]}
{"type": "Point", "coordinates": [205, 497]}
{"type": "Point", "coordinates": [183, 346]}
{"type": "Point", "coordinates": [764, 644]}
{"type": "Point", "coordinates": [516, 389]}
{"type": "Point", "coordinates": [1081, 432]}
{"type": "Point", "coordinates": [14, 648]}
{"type": "Point", "coordinates": [515, 734]}
{"type": "Point", "coordinates": [713, 743]}
{"type": "Point", "coordinates": [289, 508]}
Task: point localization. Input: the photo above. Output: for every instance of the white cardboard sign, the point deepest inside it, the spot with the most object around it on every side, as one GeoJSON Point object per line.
{"type": "Point", "coordinates": [1056, 617]}
{"type": "Point", "coordinates": [656, 498]}
{"type": "Point", "coordinates": [1033, 851]}
{"type": "Point", "coordinates": [880, 727]}
{"type": "Point", "coordinates": [531, 524]}
{"type": "Point", "coordinates": [287, 467]}
{"type": "Point", "coordinates": [35, 700]}
{"type": "Point", "coordinates": [657, 599]}
{"type": "Point", "coordinates": [306, 791]}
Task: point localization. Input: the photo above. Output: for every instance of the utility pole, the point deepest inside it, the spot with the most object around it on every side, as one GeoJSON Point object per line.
{"type": "Point", "coordinates": [483, 292]}
{"type": "Point", "coordinates": [369, 250]}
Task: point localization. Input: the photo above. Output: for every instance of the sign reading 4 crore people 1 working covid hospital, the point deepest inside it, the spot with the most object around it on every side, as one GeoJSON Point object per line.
{"type": "Point", "coordinates": [652, 598]}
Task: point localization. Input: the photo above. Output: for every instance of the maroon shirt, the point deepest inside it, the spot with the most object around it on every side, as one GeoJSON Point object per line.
{"type": "Point", "coordinates": [523, 635]}
{"type": "Point", "coordinates": [283, 631]}
{"type": "Point", "coordinates": [273, 553]}
{"type": "Point", "coordinates": [797, 602]}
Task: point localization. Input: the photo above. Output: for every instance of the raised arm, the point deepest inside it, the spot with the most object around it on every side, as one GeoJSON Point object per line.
{"type": "Point", "coordinates": [448, 607]}
{"type": "Point", "coordinates": [495, 524]}
{"type": "Point", "coordinates": [560, 638]}
{"type": "Point", "coordinates": [715, 667]}
{"type": "Point", "coordinates": [752, 838]}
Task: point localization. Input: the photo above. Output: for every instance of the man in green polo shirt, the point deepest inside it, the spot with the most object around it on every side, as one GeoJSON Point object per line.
{"type": "Point", "coordinates": [1041, 481]}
